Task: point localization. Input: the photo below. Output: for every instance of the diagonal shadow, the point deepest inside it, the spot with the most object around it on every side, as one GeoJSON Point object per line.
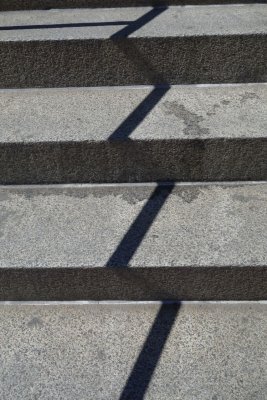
{"type": "Point", "coordinates": [137, 231]}
{"type": "Point", "coordinates": [139, 114]}
{"type": "Point", "coordinates": [139, 23]}
{"type": "Point", "coordinates": [57, 26]}
{"type": "Point", "coordinates": [152, 99]}
{"type": "Point", "coordinates": [144, 367]}
{"type": "Point", "coordinates": [131, 26]}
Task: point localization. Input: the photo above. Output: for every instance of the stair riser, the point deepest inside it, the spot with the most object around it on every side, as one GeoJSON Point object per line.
{"type": "Point", "coordinates": [233, 283]}
{"type": "Point", "coordinates": [134, 161]}
{"type": "Point", "coordinates": [11, 5]}
{"type": "Point", "coordinates": [62, 63]}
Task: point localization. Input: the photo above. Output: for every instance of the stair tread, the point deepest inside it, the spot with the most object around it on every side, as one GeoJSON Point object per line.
{"type": "Point", "coordinates": [81, 226]}
{"type": "Point", "coordinates": [133, 351]}
{"type": "Point", "coordinates": [96, 114]}
{"type": "Point", "coordinates": [174, 21]}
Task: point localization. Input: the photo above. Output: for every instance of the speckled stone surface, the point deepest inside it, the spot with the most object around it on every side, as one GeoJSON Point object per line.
{"type": "Point", "coordinates": [133, 46]}
{"type": "Point", "coordinates": [119, 352]}
{"type": "Point", "coordinates": [134, 242]}
{"type": "Point", "coordinates": [158, 22]}
{"type": "Point", "coordinates": [11, 5]}
{"type": "Point", "coordinates": [189, 132]}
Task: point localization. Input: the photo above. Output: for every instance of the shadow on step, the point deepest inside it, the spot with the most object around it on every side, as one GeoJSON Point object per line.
{"type": "Point", "coordinates": [131, 26]}
{"type": "Point", "coordinates": [146, 363]}
{"type": "Point", "coordinates": [139, 114]}
{"type": "Point", "coordinates": [144, 367]}
{"type": "Point", "coordinates": [137, 231]}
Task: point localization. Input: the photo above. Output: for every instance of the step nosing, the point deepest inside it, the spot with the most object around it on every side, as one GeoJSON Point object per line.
{"type": "Point", "coordinates": [130, 303]}
{"type": "Point", "coordinates": [149, 242]}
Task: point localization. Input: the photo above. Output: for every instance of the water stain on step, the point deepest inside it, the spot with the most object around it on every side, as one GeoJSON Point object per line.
{"type": "Point", "coordinates": [188, 195]}
{"type": "Point", "coordinates": [246, 198]}
{"type": "Point", "coordinates": [190, 119]}
{"type": "Point", "coordinates": [4, 217]}
{"type": "Point", "coordinates": [131, 195]}
{"type": "Point", "coordinates": [35, 323]}
{"type": "Point", "coordinates": [248, 96]}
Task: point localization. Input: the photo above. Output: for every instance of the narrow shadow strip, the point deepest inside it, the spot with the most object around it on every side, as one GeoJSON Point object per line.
{"type": "Point", "coordinates": [137, 231]}
{"type": "Point", "coordinates": [139, 23]}
{"type": "Point", "coordinates": [57, 26]}
{"type": "Point", "coordinates": [139, 114]}
{"type": "Point", "coordinates": [149, 356]}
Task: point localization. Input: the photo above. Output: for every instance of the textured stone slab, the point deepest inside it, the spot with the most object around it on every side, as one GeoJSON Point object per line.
{"type": "Point", "coordinates": [134, 242]}
{"type": "Point", "coordinates": [152, 352]}
{"type": "Point", "coordinates": [122, 46]}
{"type": "Point", "coordinates": [188, 133]}
{"type": "Point", "coordinates": [11, 5]}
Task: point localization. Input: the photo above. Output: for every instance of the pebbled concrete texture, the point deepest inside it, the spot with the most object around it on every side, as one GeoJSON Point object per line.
{"type": "Point", "coordinates": [111, 352]}
{"type": "Point", "coordinates": [215, 132]}
{"type": "Point", "coordinates": [12, 5]}
{"type": "Point", "coordinates": [227, 44]}
{"type": "Point", "coordinates": [134, 242]}
{"type": "Point", "coordinates": [158, 22]}
{"type": "Point", "coordinates": [95, 114]}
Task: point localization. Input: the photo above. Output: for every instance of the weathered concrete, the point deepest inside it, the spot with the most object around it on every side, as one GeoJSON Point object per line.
{"type": "Point", "coordinates": [133, 134]}
{"type": "Point", "coordinates": [134, 242]}
{"type": "Point", "coordinates": [200, 351]}
{"type": "Point", "coordinates": [11, 5]}
{"type": "Point", "coordinates": [62, 48]}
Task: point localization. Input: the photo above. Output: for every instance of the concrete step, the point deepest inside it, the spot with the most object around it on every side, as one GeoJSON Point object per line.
{"type": "Point", "coordinates": [134, 351]}
{"type": "Point", "coordinates": [133, 134]}
{"type": "Point", "coordinates": [129, 46]}
{"type": "Point", "coordinates": [12, 5]}
{"type": "Point", "coordinates": [134, 242]}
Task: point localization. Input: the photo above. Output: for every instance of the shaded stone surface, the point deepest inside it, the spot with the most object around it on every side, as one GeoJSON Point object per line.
{"type": "Point", "coordinates": [132, 134]}
{"type": "Point", "coordinates": [151, 46]}
{"type": "Point", "coordinates": [134, 242]}
{"type": "Point", "coordinates": [11, 5]}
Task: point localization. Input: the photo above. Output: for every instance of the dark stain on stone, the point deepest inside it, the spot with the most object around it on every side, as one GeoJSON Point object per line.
{"type": "Point", "coordinates": [248, 96]}
{"type": "Point", "coordinates": [34, 323]}
{"type": "Point", "coordinates": [247, 199]}
{"type": "Point", "coordinates": [225, 102]}
{"type": "Point", "coordinates": [190, 119]}
{"type": "Point", "coordinates": [4, 216]}
{"type": "Point", "coordinates": [3, 195]}
{"type": "Point", "coordinates": [134, 196]}
{"type": "Point", "coordinates": [131, 195]}
{"type": "Point", "coordinates": [188, 195]}
{"type": "Point", "coordinates": [214, 107]}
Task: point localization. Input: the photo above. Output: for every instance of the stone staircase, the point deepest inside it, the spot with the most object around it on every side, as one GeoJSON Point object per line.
{"type": "Point", "coordinates": [133, 200]}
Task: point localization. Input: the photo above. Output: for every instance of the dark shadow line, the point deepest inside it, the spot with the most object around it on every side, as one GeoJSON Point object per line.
{"type": "Point", "coordinates": [130, 27]}
{"type": "Point", "coordinates": [137, 231]}
{"type": "Point", "coordinates": [139, 114]}
{"type": "Point", "coordinates": [53, 26]}
{"type": "Point", "coordinates": [149, 356]}
{"type": "Point", "coordinates": [139, 23]}
{"type": "Point", "coordinates": [143, 109]}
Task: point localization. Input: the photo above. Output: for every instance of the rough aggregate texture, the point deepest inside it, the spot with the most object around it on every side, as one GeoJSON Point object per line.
{"type": "Point", "coordinates": [133, 134]}
{"type": "Point", "coordinates": [228, 44]}
{"type": "Point", "coordinates": [134, 242]}
{"type": "Point", "coordinates": [11, 5]}
{"type": "Point", "coordinates": [151, 352]}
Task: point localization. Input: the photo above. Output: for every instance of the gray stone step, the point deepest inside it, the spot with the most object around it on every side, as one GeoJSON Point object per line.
{"type": "Point", "coordinates": [134, 352]}
{"type": "Point", "coordinates": [134, 134]}
{"type": "Point", "coordinates": [128, 46]}
{"type": "Point", "coordinates": [134, 242]}
{"type": "Point", "coordinates": [11, 5]}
